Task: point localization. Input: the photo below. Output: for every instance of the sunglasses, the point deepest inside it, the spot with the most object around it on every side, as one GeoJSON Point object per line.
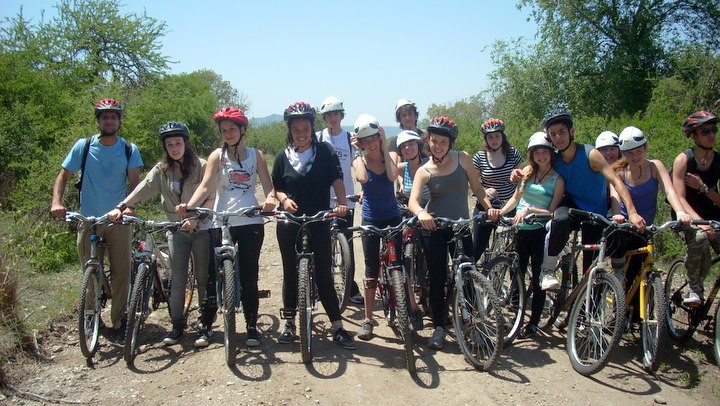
{"type": "Point", "coordinates": [707, 131]}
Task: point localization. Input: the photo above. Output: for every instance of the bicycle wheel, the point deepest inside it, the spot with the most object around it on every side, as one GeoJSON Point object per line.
{"type": "Point", "coordinates": [595, 329]}
{"type": "Point", "coordinates": [89, 311]}
{"type": "Point", "coordinates": [414, 264]}
{"type": "Point", "coordinates": [341, 268]}
{"type": "Point", "coordinates": [478, 321]}
{"type": "Point", "coordinates": [305, 308]}
{"type": "Point", "coordinates": [509, 287]}
{"type": "Point", "coordinates": [136, 314]}
{"type": "Point", "coordinates": [654, 326]}
{"type": "Point", "coordinates": [717, 334]}
{"type": "Point", "coordinates": [403, 321]}
{"type": "Point", "coordinates": [229, 304]}
{"type": "Point", "coordinates": [679, 316]}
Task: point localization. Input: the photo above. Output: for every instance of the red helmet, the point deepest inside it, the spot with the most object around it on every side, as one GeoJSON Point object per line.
{"type": "Point", "coordinates": [233, 114]}
{"type": "Point", "coordinates": [697, 119]}
{"type": "Point", "coordinates": [492, 125]}
{"type": "Point", "coordinates": [108, 105]}
{"type": "Point", "coordinates": [299, 110]}
{"type": "Point", "coordinates": [443, 126]}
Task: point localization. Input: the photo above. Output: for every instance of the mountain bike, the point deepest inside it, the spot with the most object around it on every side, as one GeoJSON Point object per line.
{"type": "Point", "coordinates": [307, 289]}
{"type": "Point", "coordinates": [682, 319]}
{"type": "Point", "coordinates": [227, 280]}
{"type": "Point", "coordinates": [648, 286]}
{"type": "Point", "coordinates": [413, 259]}
{"type": "Point", "coordinates": [394, 291]}
{"type": "Point", "coordinates": [475, 307]}
{"type": "Point", "coordinates": [341, 257]}
{"type": "Point", "coordinates": [161, 250]}
{"type": "Point", "coordinates": [95, 287]}
{"type": "Point", "coordinates": [147, 283]}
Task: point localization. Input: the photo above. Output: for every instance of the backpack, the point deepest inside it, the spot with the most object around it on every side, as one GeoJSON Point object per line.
{"type": "Point", "coordinates": [86, 150]}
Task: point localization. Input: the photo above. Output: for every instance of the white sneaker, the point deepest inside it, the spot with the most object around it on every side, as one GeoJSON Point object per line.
{"type": "Point", "coordinates": [692, 299]}
{"type": "Point", "coordinates": [438, 339]}
{"type": "Point", "coordinates": [549, 281]}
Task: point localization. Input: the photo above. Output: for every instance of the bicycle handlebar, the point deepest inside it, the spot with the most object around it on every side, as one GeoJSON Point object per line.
{"type": "Point", "coordinates": [75, 216]}
{"type": "Point", "coordinates": [387, 230]}
{"type": "Point", "coordinates": [250, 211]}
{"type": "Point", "coordinates": [322, 215]}
{"type": "Point", "coordinates": [150, 224]}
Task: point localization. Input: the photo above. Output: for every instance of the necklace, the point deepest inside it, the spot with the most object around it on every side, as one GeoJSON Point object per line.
{"type": "Point", "coordinates": [539, 182]}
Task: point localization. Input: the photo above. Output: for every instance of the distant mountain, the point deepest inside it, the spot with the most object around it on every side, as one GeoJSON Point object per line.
{"type": "Point", "coordinates": [273, 118]}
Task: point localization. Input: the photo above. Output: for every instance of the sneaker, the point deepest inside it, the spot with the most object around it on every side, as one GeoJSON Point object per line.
{"type": "Point", "coordinates": [357, 299]}
{"type": "Point", "coordinates": [253, 337]}
{"type": "Point", "coordinates": [203, 339]}
{"type": "Point", "coordinates": [549, 281]}
{"type": "Point", "coordinates": [692, 299]}
{"type": "Point", "coordinates": [366, 330]}
{"type": "Point", "coordinates": [120, 332]}
{"type": "Point", "coordinates": [344, 339]}
{"type": "Point", "coordinates": [288, 334]}
{"type": "Point", "coordinates": [529, 331]}
{"type": "Point", "coordinates": [173, 337]}
{"type": "Point", "coordinates": [417, 319]}
{"type": "Point", "coordinates": [438, 339]}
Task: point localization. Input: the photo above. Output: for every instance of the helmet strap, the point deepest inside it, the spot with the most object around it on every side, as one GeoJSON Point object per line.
{"type": "Point", "coordinates": [697, 144]}
{"type": "Point", "coordinates": [439, 160]}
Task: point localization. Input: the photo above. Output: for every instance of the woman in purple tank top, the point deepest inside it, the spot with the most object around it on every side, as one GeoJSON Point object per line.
{"type": "Point", "coordinates": [447, 174]}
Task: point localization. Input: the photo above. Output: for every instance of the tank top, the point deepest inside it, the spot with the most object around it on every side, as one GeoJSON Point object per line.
{"type": "Point", "coordinates": [644, 197]}
{"type": "Point", "coordinates": [236, 187]}
{"type": "Point", "coordinates": [449, 194]}
{"type": "Point", "coordinates": [585, 186]}
{"type": "Point", "coordinates": [408, 182]}
{"type": "Point", "coordinates": [379, 201]}
{"type": "Point", "coordinates": [538, 196]}
{"type": "Point", "coordinates": [699, 202]}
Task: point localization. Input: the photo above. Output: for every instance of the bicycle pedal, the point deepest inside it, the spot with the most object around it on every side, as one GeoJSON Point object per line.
{"type": "Point", "coordinates": [264, 293]}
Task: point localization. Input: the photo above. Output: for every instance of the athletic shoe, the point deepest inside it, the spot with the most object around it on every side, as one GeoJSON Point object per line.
{"type": "Point", "coordinates": [253, 337]}
{"type": "Point", "coordinates": [366, 330]}
{"type": "Point", "coordinates": [549, 281]}
{"type": "Point", "coordinates": [529, 331]}
{"type": "Point", "coordinates": [357, 299]}
{"type": "Point", "coordinates": [288, 334]}
{"type": "Point", "coordinates": [344, 339]}
{"type": "Point", "coordinates": [438, 339]}
{"type": "Point", "coordinates": [692, 299]}
{"type": "Point", "coordinates": [203, 339]}
{"type": "Point", "coordinates": [174, 336]}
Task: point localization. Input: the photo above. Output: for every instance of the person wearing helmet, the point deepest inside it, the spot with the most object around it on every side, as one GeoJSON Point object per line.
{"type": "Point", "coordinates": [495, 162]}
{"type": "Point", "coordinates": [232, 173]}
{"type": "Point", "coordinates": [447, 174]}
{"type": "Point", "coordinates": [175, 178]}
{"type": "Point", "coordinates": [609, 146]}
{"type": "Point", "coordinates": [540, 192]}
{"type": "Point", "coordinates": [109, 165]}
{"type": "Point", "coordinates": [406, 114]}
{"type": "Point", "coordinates": [586, 175]}
{"type": "Point", "coordinates": [302, 176]}
{"type": "Point", "coordinates": [333, 112]}
{"type": "Point", "coordinates": [695, 178]}
{"type": "Point", "coordinates": [642, 177]}
{"type": "Point", "coordinates": [408, 143]}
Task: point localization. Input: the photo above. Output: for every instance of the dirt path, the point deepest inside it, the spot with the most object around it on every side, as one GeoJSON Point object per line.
{"type": "Point", "coordinates": [530, 372]}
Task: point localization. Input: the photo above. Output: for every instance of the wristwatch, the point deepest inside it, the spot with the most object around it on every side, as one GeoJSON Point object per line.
{"type": "Point", "coordinates": [122, 206]}
{"type": "Point", "coordinates": [703, 189]}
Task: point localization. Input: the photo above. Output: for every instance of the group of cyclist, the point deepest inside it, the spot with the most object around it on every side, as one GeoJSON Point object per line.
{"type": "Point", "coordinates": [614, 178]}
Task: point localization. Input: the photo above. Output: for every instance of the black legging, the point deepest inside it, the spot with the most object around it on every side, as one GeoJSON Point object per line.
{"type": "Point", "coordinates": [562, 225]}
{"type": "Point", "coordinates": [437, 246]}
{"type": "Point", "coordinates": [289, 241]}
{"type": "Point", "coordinates": [249, 241]}
{"type": "Point", "coordinates": [344, 225]}
{"type": "Point", "coordinates": [530, 245]}
{"type": "Point", "coordinates": [371, 246]}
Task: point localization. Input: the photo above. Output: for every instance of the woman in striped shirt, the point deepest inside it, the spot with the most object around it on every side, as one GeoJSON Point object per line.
{"type": "Point", "coordinates": [495, 163]}
{"type": "Point", "coordinates": [540, 191]}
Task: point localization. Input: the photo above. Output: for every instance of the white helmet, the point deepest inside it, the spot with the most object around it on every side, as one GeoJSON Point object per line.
{"type": "Point", "coordinates": [366, 126]}
{"type": "Point", "coordinates": [403, 102]}
{"type": "Point", "coordinates": [406, 136]}
{"type": "Point", "coordinates": [539, 139]}
{"type": "Point", "coordinates": [607, 139]}
{"type": "Point", "coordinates": [631, 138]}
{"type": "Point", "coordinates": [331, 104]}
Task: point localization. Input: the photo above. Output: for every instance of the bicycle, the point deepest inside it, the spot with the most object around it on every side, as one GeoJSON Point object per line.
{"type": "Point", "coordinates": [147, 282]}
{"type": "Point", "coordinates": [94, 288]}
{"type": "Point", "coordinates": [475, 307]}
{"type": "Point", "coordinates": [162, 254]}
{"type": "Point", "coordinates": [648, 285]}
{"type": "Point", "coordinates": [596, 303]}
{"type": "Point", "coordinates": [307, 289]}
{"type": "Point", "coordinates": [341, 258]}
{"type": "Point", "coordinates": [227, 280]}
{"type": "Point", "coordinates": [414, 258]}
{"type": "Point", "coordinates": [392, 283]}
{"type": "Point", "coordinates": [682, 319]}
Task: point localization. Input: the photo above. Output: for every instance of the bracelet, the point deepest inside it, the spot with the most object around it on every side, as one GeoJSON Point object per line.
{"type": "Point", "coordinates": [359, 154]}
{"type": "Point", "coordinates": [122, 206]}
{"type": "Point", "coordinates": [703, 189]}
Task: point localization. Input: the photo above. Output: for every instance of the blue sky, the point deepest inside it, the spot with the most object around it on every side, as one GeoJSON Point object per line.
{"type": "Point", "coordinates": [367, 53]}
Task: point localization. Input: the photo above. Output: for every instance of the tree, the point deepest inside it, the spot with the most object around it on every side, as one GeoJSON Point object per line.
{"type": "Point", "coordinates": [614, 50]}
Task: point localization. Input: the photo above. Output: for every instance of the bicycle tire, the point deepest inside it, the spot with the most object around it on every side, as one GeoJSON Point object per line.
{"type": "Point", "coordinates": [305, 308]}
{"type": "Point", "coordinates": [341, 263]}
{"type": "Point", "coordinates": [480, 335]}
{"type": "Point", "coordinates": [653, 327]}
{"type": "Point", "coordinates": [414, 264]}
{"type": "Point", "coordinates": [139, 298]}
{"type": "Point", "coordinates": [403, 321]}
{"type": "Point", "coordinates": [229, 305]}
{"type": "Point", "coordinates": [716, 347]}
{"type": "Point", "coordinates": [189, 288]}
{"type": "Point", "coordinates": [89, 311]}
{"type": "Point", "coordinates": [509, 286]}
{"type": "Point", "coordinates": [587, 345]}
{"type": "Point", "coordinates": [680, 320]}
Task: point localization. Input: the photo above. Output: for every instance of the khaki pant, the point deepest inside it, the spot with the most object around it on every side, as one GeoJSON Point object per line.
{"type": "Point", "coordinates": [118, 239]}
{"type": "Point", "coordinates": [698, 258]}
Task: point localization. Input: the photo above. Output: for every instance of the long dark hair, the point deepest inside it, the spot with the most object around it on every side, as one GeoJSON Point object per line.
{"type": "Point", "coordinates": [189, 161]}
{"type": "Point", "coordinates": [505, 146]}
{"type": "Point", "coordinates": [289, 141]}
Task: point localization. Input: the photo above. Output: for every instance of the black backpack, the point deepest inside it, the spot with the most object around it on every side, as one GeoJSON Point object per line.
{"type": "Point", "coordinates": [86, 150]}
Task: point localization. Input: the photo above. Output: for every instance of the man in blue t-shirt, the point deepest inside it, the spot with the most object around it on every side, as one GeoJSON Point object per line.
{"type": "Point", "coordinates": [108, 171]}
